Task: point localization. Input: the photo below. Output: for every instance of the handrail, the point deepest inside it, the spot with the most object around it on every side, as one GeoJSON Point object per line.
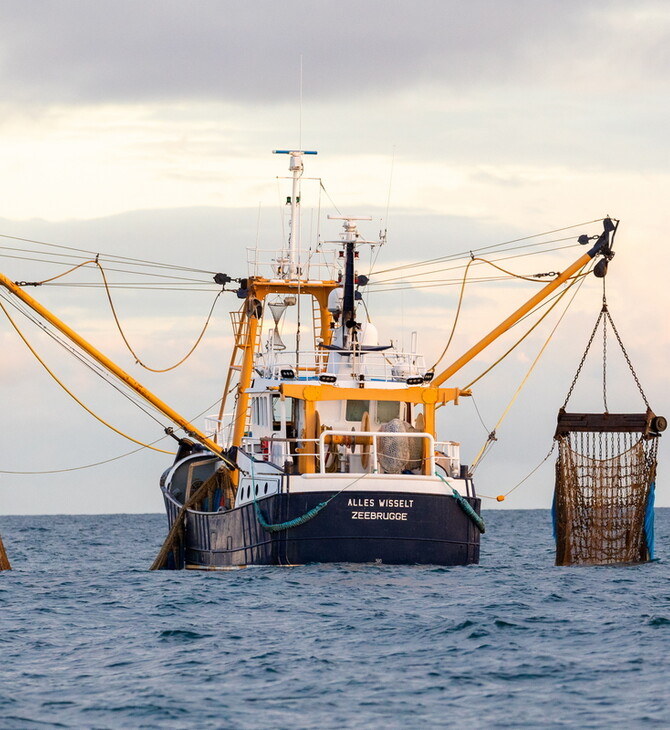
{"type": "Point", "coordinates": [392, 366]}
{"type": "Point", "coordinates": [374, 435]}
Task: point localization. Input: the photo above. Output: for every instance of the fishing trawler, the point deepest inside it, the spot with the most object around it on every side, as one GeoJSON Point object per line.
{"type": "Point", "coordinates": [330, 452]}
{"type": "Point", "coordinates": [333, 441]}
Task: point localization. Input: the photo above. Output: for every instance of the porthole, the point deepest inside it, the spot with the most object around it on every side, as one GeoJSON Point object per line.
{"type": "Point", "coordinates": [265, 491]}
{"type": "Point", "coordinates": [256, 490]}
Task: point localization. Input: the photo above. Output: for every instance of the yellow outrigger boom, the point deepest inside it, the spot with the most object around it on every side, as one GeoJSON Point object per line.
{"type": "Point", "coordinates": [520, 312]}
{"type": "Point", "coordinates": [112, 367]}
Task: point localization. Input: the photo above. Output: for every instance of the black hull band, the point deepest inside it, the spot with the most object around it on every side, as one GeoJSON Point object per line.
{"type": "Point", "coordinates": [357, 527]}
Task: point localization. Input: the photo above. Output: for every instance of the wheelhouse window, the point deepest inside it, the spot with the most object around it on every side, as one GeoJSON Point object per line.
{"type": "Point", "coordinates": [356, 409]}
{"type": "Point", "coordinates": [260, 406]}
{"type": "Point", "coordinates": [288, 407]}
{"type": "Point", "coordinates": [387, 410]}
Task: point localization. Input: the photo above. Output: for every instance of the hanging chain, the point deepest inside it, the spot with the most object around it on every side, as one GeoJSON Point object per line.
{"type": "Point", "coordinates": [630, 365]}
{"type": "Point", "coordinates": [604, 311]}
{"type": "Point", "coordinates": [581, 364]}
{"type": "Point", "coordinates": [605, 316]}
{"type": "Point", "coordinates": [623, 350]}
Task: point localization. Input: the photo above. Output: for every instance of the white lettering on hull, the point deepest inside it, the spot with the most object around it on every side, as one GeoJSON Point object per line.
{"type": "Point", "coordinates": [388, 503]}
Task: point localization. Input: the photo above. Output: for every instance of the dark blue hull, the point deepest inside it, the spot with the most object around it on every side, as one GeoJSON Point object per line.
{"type": "Point", "coordinates": [407, 529]}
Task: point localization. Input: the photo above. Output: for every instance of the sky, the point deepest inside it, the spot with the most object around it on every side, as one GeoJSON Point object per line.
{"type": "Point", "coordinates": [145, 130]}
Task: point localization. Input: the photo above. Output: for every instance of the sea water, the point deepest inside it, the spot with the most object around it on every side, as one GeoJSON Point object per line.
{"type": "Point", "coordinates": [89, 638]}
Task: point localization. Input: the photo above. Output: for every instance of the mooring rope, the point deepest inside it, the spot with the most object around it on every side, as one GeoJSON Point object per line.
{"type": "Point", "coordinates": [463, 503]}
{"type": "Point", "coordinates": [297, 521]}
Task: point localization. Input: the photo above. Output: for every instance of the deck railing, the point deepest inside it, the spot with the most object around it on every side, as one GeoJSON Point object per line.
{"type": "Point", "coordinates": [370, 439]}
{"type": "Point", "coordinates": [344, 452]}
{"type": "Point", "coordinates": [314, 265]}
{"type": "Point", "coordinates": [391, 365]}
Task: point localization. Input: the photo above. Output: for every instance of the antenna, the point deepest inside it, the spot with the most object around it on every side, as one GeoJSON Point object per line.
{"type": "Point", "coordinates": [300, 119]}
{"type": "Point", "coordinates": [350, 233]}
{"type": "Point", "coordinates": [296, 167]}
{"type": "Point", "coordinates": [388, 199]}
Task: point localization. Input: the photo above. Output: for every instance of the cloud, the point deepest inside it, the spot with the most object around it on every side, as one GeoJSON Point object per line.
{"type": "Point", "coordinates": [75, 51]}
{"type": "Point", "coordinates": [502, 118]}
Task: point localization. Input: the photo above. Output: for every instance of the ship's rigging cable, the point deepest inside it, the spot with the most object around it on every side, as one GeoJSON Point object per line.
{"type": "Point", "coordinates": [129, 346]}
{"type": "Point", "coordinates": [170, 283]}
{"type": "Point", "coordinates": [190, 283]}
{"type": "Point", "coordinates": [492, 246]}
{"type": "Point", "coordinates": [456, 316]}
{"type": "Point", "coordinates": [493, 435]}
{"type": "Point", "coordinates": [104, 461]}
{"type": "Point", "coordinates": [61, 275]}
{"type": "Point", "coordinates": [503, 497]}
{"type": "Point", "coordinates": [85, 360]}
{"type": "Point", "coordinates": [109, 257]}
{"type": "Point", "coordinates": [171, 279]}
{"type": "Point", "coordinates": [84, 466]}
{"type": "Point", "coordinates": [71, 394]}
{"type": "Point", "coordinates": [100, 372]}
{"type": "Point", "coordinates": [474, 253]}
{"type": "Point", "coordinates": [332, 202]}
{"type": "Point", "coordinates": [460, 302]}
{"type": "Point", "coordinates": [412, 281]}
{"type": "Point", "coordinates": [550, 305]}
{"type": "Point", "coordinates": [487, 430]}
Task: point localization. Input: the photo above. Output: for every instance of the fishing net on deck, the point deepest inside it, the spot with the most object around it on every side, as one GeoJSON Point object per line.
{"type": "Point", "coordinates": [603, 508]}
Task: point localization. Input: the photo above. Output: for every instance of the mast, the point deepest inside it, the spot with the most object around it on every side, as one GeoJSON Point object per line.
{"type": "Point", "coordinates": [296, 167]}
{"type": "Point", "coordinates": [349, 239]}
